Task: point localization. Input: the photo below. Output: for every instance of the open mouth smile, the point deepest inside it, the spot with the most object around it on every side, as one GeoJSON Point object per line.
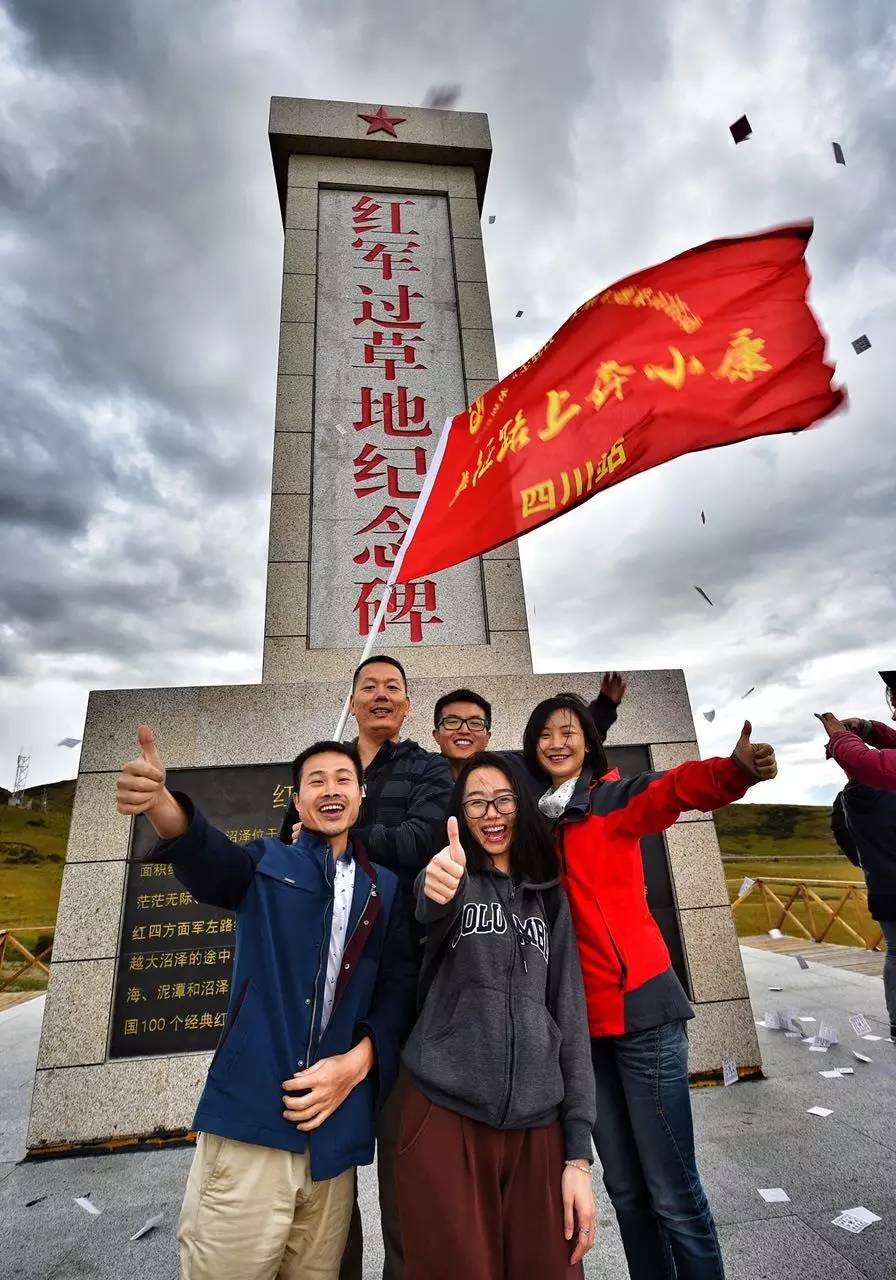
{"type": "Point", "coordinates": [495, 834]}
{"type": "Point", "coordinates": [333, 809]}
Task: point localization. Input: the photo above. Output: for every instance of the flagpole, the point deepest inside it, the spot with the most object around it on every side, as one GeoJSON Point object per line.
{"type": "Point", "coordinates": [416, 516]}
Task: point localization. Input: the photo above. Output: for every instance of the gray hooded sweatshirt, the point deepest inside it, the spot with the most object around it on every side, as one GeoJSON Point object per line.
{"type": "Point", "coordinates": [503, 1033]}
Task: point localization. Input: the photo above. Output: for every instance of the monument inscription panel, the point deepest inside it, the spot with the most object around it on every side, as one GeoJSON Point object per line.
{"type": "Point", "coordinates": [388, 371]}
{"type": "Point", "coordinates": [175, 958]}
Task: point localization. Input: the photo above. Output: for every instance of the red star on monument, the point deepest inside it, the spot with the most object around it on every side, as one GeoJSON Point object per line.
{"type": "Point", "coordinates": [381, 123]}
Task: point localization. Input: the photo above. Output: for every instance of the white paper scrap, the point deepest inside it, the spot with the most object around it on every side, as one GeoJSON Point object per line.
{"type": "Point", "coordinates": [855, 1220]}
{"type": "Point", "coordinates": [87, 1205]}
{"type": "Point", "coordinates": [872, 1037]}
{"type": "Point", "coordinates": [776, 988]}
{"type": "Point", "coordinates": [826, 1035]}
{"type": "Point", "coordinates": [729, 1070]}
{"type": "Point", "coordinates": [861, 1057]}
{"type": "Point", "coordinates": [802, 962]}
{"type": "Point", "coordinates": [773, 1020]}
{"type": "Point", "coordinates": [774, 1195]}
{"type": "Point", "coordinates": [775, 933]}
{"type": "Point", "coordinates": [819, 1111]}
{"type": "Point", "coordinates": [148, 1225]}
{"type": "Point", "coordinates": [793, 1035]}
{"type": "Point", "coordinates": [860, 1024]}
{"type": "Point", "coordinates": [831, 1075]}
{"type": "Point", "coordinates": [746, 886]}
{"type": "Point", "coordinates": [818, 1048]}
{"type": "Point", "coordinates": [847, 1071]}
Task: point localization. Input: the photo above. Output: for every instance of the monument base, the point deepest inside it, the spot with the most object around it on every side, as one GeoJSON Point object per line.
{"type": "Point", "coordinates": [83, 1097]}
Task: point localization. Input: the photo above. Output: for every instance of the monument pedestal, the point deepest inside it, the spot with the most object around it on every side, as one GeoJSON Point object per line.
{"type": "Point", "coordinates": [386, 330]}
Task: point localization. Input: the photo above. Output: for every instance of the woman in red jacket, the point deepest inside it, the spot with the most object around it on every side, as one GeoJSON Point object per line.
{"type": "Point", "coordinates": [637, 1008]}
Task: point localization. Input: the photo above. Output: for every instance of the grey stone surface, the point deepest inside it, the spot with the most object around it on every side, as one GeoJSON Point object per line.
{"type": "Point", "coordinates": [469, 261]}
{"type": "Point", "coordinates": [76, 1018]}
{"type": "Point", "coordinates": [697, 865]}
{"type": "Point", "coordinates": [292, 462]}
{"type": "Point", "coordinates": [19, 1037]}
{"type": "Point", "coordinates": [465, 222]}
{"type": "Point", "coordinates": [296, 350]}
{"type": "Point", "coordinates": [713, 958]}
{"type": "Point", "coordinates": [509, 551]}
{"type": "Point", "coordinates": [480, 362]}
{"type": "Point", "coordinates": [294, 403]}
{"type": "Point", "coordinates": [456, 180]}
{"type": "Point", "coordinates": [89, 911]}
{"type": "Point", "coordinates": [505, 600]}
{"type": "Point", "coordinates": [98, 832]}
{"type": "Point", "coordinates": [286, 613]}
{"type": "Point", "coordinates": [110, 731]}
{"type": "Point", "coordinates": [297, 303]}
{"type": "Point", "coordinates": [300, 254]}
{"type": "Point", "coordinates": [85, 1104]}
{"type": "Point", "coordinates": [287, 660]}
{"type": "Point", "coordinates": [668, 755]}
{"type": "Point", "coordinates": [475, 313]}
{"type": "Point", "coordinates": [301, 209]}
{"type": "Point", "coordinates": [725, 1027]}
{"type": "Point", "coordinates": [289, 527]}
{"type": "Point", "coordinates": [753, 1135]}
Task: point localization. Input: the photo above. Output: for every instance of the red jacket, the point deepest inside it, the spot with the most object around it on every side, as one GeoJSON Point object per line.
{"type": "Point", "coordinates": [620, 944]}
{"type": "Point", "coordinates": [862, 763]}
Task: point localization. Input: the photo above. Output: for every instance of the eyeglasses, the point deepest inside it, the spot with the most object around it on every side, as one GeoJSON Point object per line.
{"type": "Point", "coordinates": [475, 723]}
{"type": "Point", "coordinates": [505, 803]}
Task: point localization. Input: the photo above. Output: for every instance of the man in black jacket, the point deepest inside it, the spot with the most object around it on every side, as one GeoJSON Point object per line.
{"type": "Point", "coordinates": [402, 824]}
{"type": "Point", "coordinates": [864, 826]}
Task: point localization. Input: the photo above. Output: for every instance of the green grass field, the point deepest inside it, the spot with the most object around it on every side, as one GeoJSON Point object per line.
{"type": "Point", "coordinates": [32, 854]}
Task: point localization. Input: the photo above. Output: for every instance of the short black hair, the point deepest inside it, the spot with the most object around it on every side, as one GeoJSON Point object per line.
{"type": "Point", "coordinates": [462, 695]}
{"type": "Point", "coordinates": [317, 749]}
{"type": "Point", "coordinates": [533, 855]}
{"type": "Point", "coordinates": [380, 657]}
{"type": "Point", "coordinates": [595, 757]}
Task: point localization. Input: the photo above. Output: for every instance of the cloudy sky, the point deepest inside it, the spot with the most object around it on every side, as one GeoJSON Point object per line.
{"type": "Point", "coordinates": [140, 255]}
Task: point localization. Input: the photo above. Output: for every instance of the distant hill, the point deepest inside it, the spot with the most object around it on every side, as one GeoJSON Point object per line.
{"type": "Point", "coordinates": [775, 830]}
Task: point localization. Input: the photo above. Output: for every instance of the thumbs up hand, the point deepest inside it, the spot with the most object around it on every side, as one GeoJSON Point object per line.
{"type": "Point", "coordinates": [141, 789]}
{"type": "Point", "coordinates": [446, 870]}
{"type": "Point", "coordinates": [755, 758]}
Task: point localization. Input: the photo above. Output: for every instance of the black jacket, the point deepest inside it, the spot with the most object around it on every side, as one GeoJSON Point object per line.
{"type": "Point", "coordinates": [871, 823]}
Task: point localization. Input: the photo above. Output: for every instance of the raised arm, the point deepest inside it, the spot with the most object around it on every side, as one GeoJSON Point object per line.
{"type": "Point", "coordinates": [655, 801]}
{"type": "Point", "coordinates": [410, 844]}
{"type": "Point", "coordinates": [214, 869]}
{"type": "Point", "coordinates": [860, 763]}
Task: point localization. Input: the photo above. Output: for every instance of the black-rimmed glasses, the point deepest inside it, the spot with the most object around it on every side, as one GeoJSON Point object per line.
{"type": "Point", "coordinates": [504, 803]}
{"type": "Point", "coordinates": [475, 723]}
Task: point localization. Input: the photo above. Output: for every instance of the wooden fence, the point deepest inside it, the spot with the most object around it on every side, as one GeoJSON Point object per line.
{"type": "Point", "coordinates": [820, 914]}
{"type": "Point", "coordinates": [8, 941]}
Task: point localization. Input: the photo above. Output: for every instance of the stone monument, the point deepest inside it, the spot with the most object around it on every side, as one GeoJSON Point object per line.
{"type": "Point", "coordinates": [385, 330]}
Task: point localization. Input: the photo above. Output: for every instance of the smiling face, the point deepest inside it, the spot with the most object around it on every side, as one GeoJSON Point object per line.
{"type": "Point", "coordinates": [490, 807]}
{"type": "Point", "coordinates": [380, 702]}
{"type": "Point", "coordinates": [459, 742]}
{"type": "Point", "coordinates": [561, 746]}
{"type": "Point", "coordinates": [329, 796]}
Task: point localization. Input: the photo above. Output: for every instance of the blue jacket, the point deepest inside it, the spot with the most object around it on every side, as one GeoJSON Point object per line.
{"type": "Point", "coordinates": [283, 899]}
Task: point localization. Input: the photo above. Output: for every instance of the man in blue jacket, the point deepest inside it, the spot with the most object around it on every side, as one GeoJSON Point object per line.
{"type": "Point", "coordinates": [322, 997]}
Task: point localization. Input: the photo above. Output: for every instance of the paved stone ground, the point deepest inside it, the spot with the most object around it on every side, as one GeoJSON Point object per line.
{"type": "Point", "coordinates": [751, 1135]}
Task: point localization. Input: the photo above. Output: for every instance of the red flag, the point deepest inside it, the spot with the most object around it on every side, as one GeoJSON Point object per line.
{"type": "Point", "coordinates": [714, 346]}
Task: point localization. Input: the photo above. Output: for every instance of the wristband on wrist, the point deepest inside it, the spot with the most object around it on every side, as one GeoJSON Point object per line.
{"type": "Point", "coordinates": [577, 1164]}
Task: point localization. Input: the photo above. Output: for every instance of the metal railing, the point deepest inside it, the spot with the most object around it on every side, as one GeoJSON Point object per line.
{"type": "Point", "coordinates": [9, 941]}
{"type": "Point", "coordinates": [780, 909]}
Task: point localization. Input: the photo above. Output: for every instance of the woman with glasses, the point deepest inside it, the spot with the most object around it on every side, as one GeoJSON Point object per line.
{"type": "Point", "coordinates": [494, 1154]}
{"type": "Point", "coordinates": [637, 1008]}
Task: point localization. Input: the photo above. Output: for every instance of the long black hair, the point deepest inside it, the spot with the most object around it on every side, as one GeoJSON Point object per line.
{"type": "Point", "coordinates": [595, 756]}
{"type": "Point", "coordinates": [532, 854]}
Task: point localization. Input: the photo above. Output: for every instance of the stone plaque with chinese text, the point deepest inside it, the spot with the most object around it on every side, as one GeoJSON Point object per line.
{"type": "Point", "coordinates": [173, 974]}
{"type": "Point", "coordinates": [388, 371]}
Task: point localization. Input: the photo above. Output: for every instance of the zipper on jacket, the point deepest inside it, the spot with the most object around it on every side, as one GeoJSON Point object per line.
{"type": "Point", "coordinates": [623, 967]}
{"type": "Point", "coordinates": [512, 1054]}
{"type": "Point", "coordinates": [324, 941]}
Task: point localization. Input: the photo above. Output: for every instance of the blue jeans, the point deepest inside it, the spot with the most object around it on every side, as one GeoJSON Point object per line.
{"type": "Point", "coordinates": [889, 932]}
{"type": "Point", "coordinates": [645, 1141]}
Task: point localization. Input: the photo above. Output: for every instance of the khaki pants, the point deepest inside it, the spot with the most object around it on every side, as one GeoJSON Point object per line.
{"type": "Point", "coordinates": [254, 1213]}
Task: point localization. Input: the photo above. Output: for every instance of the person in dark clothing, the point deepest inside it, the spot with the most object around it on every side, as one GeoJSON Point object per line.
{"type": "Point", "coordinates": [322, 996]}
{"type": "Point", "coordinates": [463, 723]}
{"type": "Point", "coordinates": [494, 1154]}
{"type": "Point", "coordinates": [637, 1008]}
{"type": "Point", "coordinates": [402, 824]}
{"type": "Point", "coordinates": [866, 832]}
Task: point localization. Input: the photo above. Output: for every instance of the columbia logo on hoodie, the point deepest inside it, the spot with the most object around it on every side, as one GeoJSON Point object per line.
{"type": "Point", "coordinates": [488, 917]}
